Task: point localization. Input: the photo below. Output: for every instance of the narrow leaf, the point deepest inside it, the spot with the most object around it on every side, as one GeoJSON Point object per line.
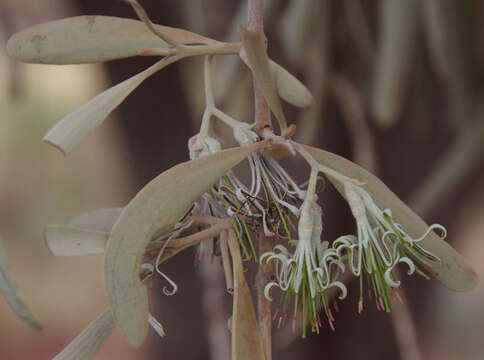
{"type": "Point", "coordinates": [453, 271]}
{"type": "Point", "coordinates": [289, 87]}
{"type": "Point", "coordinates": [246, 339]}
{"type": "Point", "coordinates": [65, 240]}
{"type": "Point", "coordinates": [9, 291]}
{"type": "Point", "coordinates": [74, 127]}
{"type": "Point", "coordinates": [396, 48]}
{"type": "Point", "coordinates": [254, 54]}
{"type": "Point", "coordinates": [156, 207]}
{"type": "Point", "coordinates": [87, 343]}
{"type": "Point", "coordinates": [87, 39]}
{"type": "Point", "coordinates": [97, 220]}
{"type": "Point", "coordinates": [85, 234]}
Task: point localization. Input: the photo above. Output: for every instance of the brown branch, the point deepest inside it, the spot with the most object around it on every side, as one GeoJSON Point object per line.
{"type": "Point", "coordinates": [262, 117]}
{"type": "Point", "coordinates": [262, 114]}
{"type": "Point", "coordinates": [264, 276]}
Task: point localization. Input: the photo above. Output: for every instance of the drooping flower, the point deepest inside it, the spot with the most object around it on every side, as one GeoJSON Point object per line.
{"type": "Point", "coordinates": [379, 246]}
{"type": "Point", "coordinates": [313, 268]}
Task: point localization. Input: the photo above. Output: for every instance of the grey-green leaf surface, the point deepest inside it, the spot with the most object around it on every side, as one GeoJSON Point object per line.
{"type": "Point", "coordinates": [83, 235]}
{"type": "Point", "coordinates": [157, 206]}
{"type": "Point", "coordinates": [9, 291]}
{"type": "Point", "coordinates": [246, 338]}
{"type": "Point", "coordinates": [398, 29]}
{"type": "Point", "coordinates": [64, 240]}
{"type": "Point", "coordinates": [87, 343]}
{"type": "Point", "coordinates": [452, 271]}
{"type": "Point", "coordinates": [254, 54]}
{"type": "Point", "coordinates": [97, 220]}
{"type": "Point", "coordinates": [66, 134]}
{"type": "Point", "coordinates": [289, 87]}
{"type": "Point", "coordinates": [88, 39]}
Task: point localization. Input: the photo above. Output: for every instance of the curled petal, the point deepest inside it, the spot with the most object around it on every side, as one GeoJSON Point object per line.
{"type": "Point", "coordinates": [264, 256]}
{"type": "Point", "coordinates": [342, 287]}
{"type": "Point", "coordinates": [389, 280]}
{"type": "Point", "coordinates": [282, 249]}
{"type": "Point", "coordinates": [268, 288]}
{"type": "Point", "coordinates": [344, 241]}
{"type": "Point", "coordinates": [432, 228]}
{"type": "Point", "coordinates": [338, 263]}
{"type": "Point", "coordinates": [409, 262]}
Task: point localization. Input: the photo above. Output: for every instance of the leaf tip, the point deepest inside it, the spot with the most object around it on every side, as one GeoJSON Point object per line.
{"type": "Point", "coordinates": [12, 46]}
{"type": "Point", "coordinates": [46, 239]}
{"type": "Point", "coordinates": [57, 146]}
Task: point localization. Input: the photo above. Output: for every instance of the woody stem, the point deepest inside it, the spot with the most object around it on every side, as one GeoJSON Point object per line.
{"type": "Point", "coordinates": [262, 117]}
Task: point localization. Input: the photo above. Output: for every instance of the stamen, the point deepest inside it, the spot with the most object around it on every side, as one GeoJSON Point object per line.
{"type": "Point", "coordinates": [336, 306]}
{"type": "Point", "coordinates": [279, 322]}
{"type": "Point", "coordinates": [155, 324]}
{"type": "Point", "coordinates": [275, 314]}
{"type": "Point", "coordinates": [360, 305]}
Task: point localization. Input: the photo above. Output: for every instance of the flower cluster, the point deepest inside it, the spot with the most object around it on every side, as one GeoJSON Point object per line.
{"type": "Point", "coordinates": [315, 266]}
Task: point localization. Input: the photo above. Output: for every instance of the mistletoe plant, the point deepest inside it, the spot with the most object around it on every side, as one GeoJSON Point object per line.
{"type": "Point", "coordinates": [202, 201]}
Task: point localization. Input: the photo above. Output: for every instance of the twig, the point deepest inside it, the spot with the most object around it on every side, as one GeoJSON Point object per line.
{"type": "Point", "coordinates": [262, 112]}
{"type": "Point", "coordinates": [145, 18]}
{"type": "Point", "coordinates": [262, 117]}
{"type": "Point", "coordinates": [264, 275]}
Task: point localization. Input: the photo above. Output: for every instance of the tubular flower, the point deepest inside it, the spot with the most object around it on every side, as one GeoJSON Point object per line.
{"type": "Point", "coordinates": [379, 246]}
{"type": "Point", "coordinates": [309, 272]}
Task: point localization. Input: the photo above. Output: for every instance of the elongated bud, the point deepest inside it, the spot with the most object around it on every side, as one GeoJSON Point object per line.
{"type": "Point", "coordinates": [354, 201]}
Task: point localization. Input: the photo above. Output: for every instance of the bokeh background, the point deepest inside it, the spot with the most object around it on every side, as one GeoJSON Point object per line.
{"type": "Point", "coordinates": [398, 89]}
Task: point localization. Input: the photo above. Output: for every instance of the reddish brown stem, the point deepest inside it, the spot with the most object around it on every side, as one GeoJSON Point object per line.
{"type": "Point", "coordinates": [262, 113]}
{"type": "Point", "coordinates": [262, 117]}
{"type": "Point", "coordinates": [264, 275]}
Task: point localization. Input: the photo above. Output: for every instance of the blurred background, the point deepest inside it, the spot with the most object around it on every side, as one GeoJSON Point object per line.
{"type": "Point", "coordinates": [398, 89]}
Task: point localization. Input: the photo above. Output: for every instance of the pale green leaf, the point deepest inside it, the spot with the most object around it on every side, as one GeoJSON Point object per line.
{"type": "Point", "coordinates": [9, 291]}
{"type": "Point", "coordinates": [87, 39]}
{"type": "Point", "coordinates": [64, 240]}
{"type": "Point", "coordinates": [156, 207]}
{"type": "Point", "coordinates": [289, 87]}
{"type": "Point", "coordinates": [453, 271]}
{"type": "Point", "coordinates": [398, 30]}
{"type": "Point", "coordinates": [70, 130]}
{"type": "Point", "coordinates": [246, 338]}
{"type": "Point", "coordinates": [85, 234]}
{"type": "Point", "coordinates": [97, 220]}
{"type": "Point", "coordinates": [254, 54]}
{"type": "Point", "coordinates": [87, 343]}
